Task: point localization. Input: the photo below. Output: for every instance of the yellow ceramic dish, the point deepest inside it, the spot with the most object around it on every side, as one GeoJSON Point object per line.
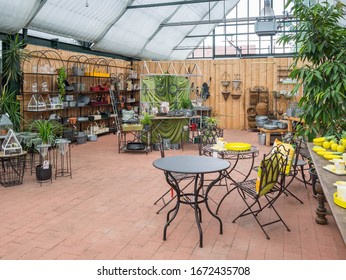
{"type": "Point", "coordinates": [318, 141]}
{"type": "Point", "coordinates": [317, 149]}
{"type": "Point", "coordinates": [322, 153]}
{"type": "Point", "coordinates": [235, 146]}
{"type": "Point", "coordinates": [331, 156]}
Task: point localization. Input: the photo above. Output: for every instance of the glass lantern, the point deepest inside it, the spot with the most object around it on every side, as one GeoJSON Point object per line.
{"type": "Point", "coordinates": [5, 125]}
{"type": "Point", "coordinates": [11, 144]}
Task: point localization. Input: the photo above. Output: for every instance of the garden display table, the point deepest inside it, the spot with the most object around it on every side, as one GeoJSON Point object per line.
{"type": "Point", "coordinates": [268, 132]}
{"type": "Point", "coordinates": [169, 127]}
{"type": "Point", "coordinates": [325, 193]}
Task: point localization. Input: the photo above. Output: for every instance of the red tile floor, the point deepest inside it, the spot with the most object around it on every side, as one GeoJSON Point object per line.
{"type": "Point", "coordinates": [106, 211]}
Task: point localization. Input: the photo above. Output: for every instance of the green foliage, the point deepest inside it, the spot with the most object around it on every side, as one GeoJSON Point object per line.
{"type": "Point", "coordinates": [13, 55]}
{"type": "Point", "coordinates": [212, 121]}
{"type": "Point", "coordinates": [322, 49]}
{"type": "Point", "coordinates": [147, 119]}
{"type": "Point", "coordinates": [186, 103]}
{"type": "Point", "coordinates": [47, 129]}
{"type": "Point", "coordinates": [62, 76]}
{"type": "Point", "coordinates": [9, 105]}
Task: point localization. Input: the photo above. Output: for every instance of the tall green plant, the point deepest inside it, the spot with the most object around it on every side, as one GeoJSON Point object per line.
{"type": "Point", "coordinates": [321, 43]}
{"type": "Point", "coordinates": [13, 54]}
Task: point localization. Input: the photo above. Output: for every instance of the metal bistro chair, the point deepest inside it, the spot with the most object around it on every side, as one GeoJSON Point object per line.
{"type": "Point", "coordinates": [208, 136]}
{"type": "Point", "coordinates": [177, 176]}
{"type": "Point", "coordinates": [297, 170]}
{"type": "Point", "coordinates": [262, 193]}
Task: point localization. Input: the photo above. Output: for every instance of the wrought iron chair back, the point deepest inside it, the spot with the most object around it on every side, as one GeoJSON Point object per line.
{"type": "Point", "coordinates": [208, 135]}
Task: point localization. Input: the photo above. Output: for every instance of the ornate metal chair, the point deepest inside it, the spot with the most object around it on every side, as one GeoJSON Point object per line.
{"type": "Point", "coordinates": [208, 135]}
{"type": "Point", "coordinates": [169, 194]}
{"type": "Point", "coordinates": [262, 193]}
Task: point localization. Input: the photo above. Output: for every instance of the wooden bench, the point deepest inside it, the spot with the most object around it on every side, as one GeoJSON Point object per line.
{"type": "Point", "coordinates": [268, 132]}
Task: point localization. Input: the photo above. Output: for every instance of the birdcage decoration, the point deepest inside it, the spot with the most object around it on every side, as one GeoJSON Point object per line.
{"type": "Point", "coordinates": [11, 145]}
{"type": "Point", "coordinates": [5, 124]}
{"type": "Point", "coordinates": [37, 103]}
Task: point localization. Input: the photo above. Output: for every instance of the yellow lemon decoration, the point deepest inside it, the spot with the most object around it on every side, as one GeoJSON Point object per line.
{"type": "Point", "coordinates": [326, 144]}
{"type": "Point", "coordinates": [334, 146]}
{"type": "Point", "coordinates": [340, 149]}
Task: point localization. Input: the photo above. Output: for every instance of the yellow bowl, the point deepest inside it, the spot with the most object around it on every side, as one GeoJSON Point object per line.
{"type": "Point", "coordinates": [322, 153]}
{"type": "Point", "coordinates": [331, 156]}
{"type": "Point", "coordinates": [235, 146]}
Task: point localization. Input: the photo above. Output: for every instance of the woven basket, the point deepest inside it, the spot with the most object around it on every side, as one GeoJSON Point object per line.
{"type": "Point", "coordinates": [252, 124]}
{"type": "Point", "coordinates": [253, 98]}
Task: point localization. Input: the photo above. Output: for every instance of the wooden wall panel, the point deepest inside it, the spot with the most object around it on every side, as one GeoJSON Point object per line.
{"type": "Point", "coordinates": [260, 72]}
{"type": "Point", "coordinates": [232, 113]}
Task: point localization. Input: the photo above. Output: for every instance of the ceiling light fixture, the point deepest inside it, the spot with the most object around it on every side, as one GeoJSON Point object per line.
{"type": "Point", "coordinates": [266, 24]}
{"type": "Point", "coordinates": [86, 4]}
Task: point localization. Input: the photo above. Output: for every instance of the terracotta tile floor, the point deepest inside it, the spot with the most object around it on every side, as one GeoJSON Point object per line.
{"type": "Point", "coordinates": [106, 211]}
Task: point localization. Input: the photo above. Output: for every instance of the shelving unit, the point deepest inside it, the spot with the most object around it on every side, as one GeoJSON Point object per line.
{"type": "Point", "coordinates": [88, 100]}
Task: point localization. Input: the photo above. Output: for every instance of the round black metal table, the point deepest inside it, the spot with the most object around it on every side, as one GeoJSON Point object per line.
{"type": "Point", "coordinates": [198, 165]}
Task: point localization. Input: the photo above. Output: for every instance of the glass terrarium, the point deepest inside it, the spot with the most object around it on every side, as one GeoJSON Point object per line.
{"type": "Point", "coordinates": [5, 124]}
{"type": "Point", "coordinates": [36, 103]}
{"type": "Point", "coordinates": [54, 102]}
{"type": "Point", "coordinates": [11, 144]}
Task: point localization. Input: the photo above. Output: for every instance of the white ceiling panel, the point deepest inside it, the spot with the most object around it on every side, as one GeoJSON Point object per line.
{"type": "Point", "coordinates": [15, 14]}
{"type": "Point", "coordinates": [120, 27]}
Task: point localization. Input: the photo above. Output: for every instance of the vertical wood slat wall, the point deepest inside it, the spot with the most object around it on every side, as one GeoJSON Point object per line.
{"type": "Point", "coordinates": [253, 72]}
{"type": "Point", "coordinates": [261, 72]}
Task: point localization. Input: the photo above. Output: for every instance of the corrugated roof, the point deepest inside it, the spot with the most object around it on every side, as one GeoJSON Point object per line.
{"type": "Point", "coordinates": [120, 27]}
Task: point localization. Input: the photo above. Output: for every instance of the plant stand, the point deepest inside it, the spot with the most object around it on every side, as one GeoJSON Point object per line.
{"type": "Point", "coordinates": [43, 175]}
{"type": "Point", "coordinates": [12, 169]}
{"type": "Point", "coordinates": [62, 158]}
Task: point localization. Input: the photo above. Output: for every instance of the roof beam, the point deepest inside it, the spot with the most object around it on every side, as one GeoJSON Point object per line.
{"type": "Point", "coordinates": [154, 5]}
{"type": "Point", "coordinates": [217, 21]}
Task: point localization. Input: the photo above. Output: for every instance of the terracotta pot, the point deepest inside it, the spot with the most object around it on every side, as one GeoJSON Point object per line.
{"type": "Point", "coordinates": [261, 108]}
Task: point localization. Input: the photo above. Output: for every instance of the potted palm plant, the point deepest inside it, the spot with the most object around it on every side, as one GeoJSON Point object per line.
{"type": "Point", "coordinates": [48, 130]}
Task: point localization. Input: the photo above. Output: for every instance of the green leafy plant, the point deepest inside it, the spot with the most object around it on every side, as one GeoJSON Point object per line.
{"type": "Point", "coordinates": [62, 76]}
{"type": "Point", "coordinates": [13, 55]}
{"type": "Point", "coordinates": [146, 119]}
{"type": "Point", "coordinates": [47, 129]}
{"type": "Point", "coordinates": [321, 43]}
{"type": "Point", "coordinates": [186, 103]}
{"type": "Point", "coordinates": [212, 121]}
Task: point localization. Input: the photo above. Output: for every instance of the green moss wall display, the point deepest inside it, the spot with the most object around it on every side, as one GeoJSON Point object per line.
{"type": "Point", "coordinates": [164, 88]}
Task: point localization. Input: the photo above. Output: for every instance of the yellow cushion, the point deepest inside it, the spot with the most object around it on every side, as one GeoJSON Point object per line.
{"type": "Point", "coordinates": [266, 187]}
{"type": "Point", "coordinates": [286, 147]}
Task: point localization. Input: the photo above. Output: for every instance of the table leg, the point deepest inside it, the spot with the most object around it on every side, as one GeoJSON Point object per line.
{"type": "Point", "coordinates": [321, 210]}
{"type": "Point", "coordinates": [206, 201]}
{"type": "Point", "coordinates": [267, 138]}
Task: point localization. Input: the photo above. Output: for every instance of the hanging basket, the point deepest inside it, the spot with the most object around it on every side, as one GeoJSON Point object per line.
{"type": "Point", "coordinates": [225, 94]}
{"type": "Point", "coordinates": [236, 95]}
